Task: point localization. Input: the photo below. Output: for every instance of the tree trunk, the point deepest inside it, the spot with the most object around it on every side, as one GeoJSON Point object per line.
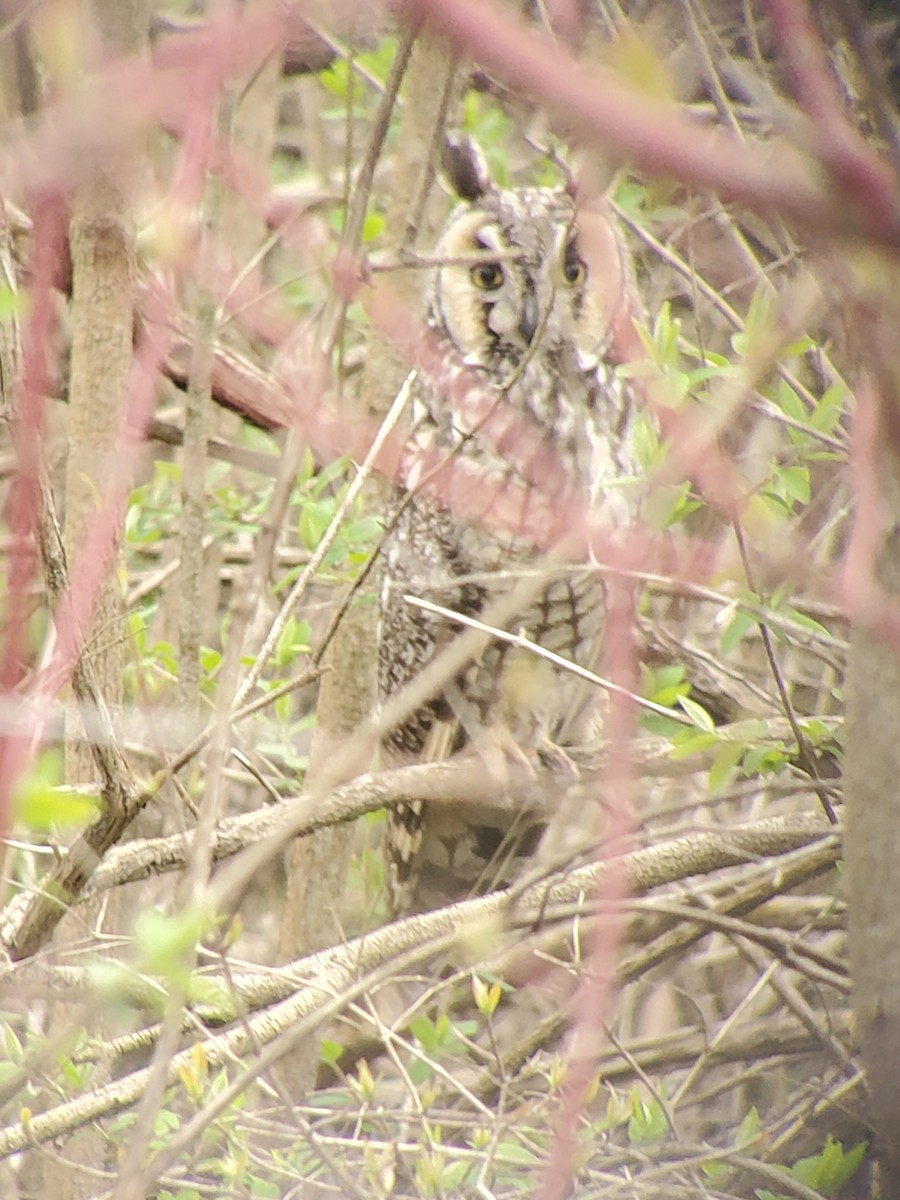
{"type": "Point", "coordinates": [873, 798]}
{"type": "Point", "coordinates": [102, 243]}
{"type": "Point", "coordinates": [318, 864]}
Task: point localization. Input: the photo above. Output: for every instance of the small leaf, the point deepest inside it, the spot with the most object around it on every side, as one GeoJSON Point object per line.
{"type": "Point", "coordinates": [697, 714]}
{"type": "Point", "coordinates": [829, 1170]}
{"type": "Point", "coordinates": [486, 997]}
{"type": "Point", "coordinates": [748, 1130]}
{"type": "Point", "coordinates": [713, 1170]}
{"type": "Point", "coordinates": [315, 518]}
{"type": "Point", "coordinates": [829, 410]}
{"type": "Point", "coordinates": [725, 765]}
{"type": "Point", "coordinates": [12, 1045]}
{"type": "Point", "coordinates": [422, 1029]}
{"type": "Point", "coordinates": [165, 1122]}
{"type": "Point", "coordinates": [648, 1122]}
{"type": "Point", "coordinates": [806, 622]}
{"type": "Point", "coordinates": [163, 940]}
{"type": "Point", "coordinates": [790, 403]}
{"type": "Point", "coordinates": [10, 303]}
{"type": "Point", "coordinates": [481, 1138]}
{"type": "Point", "coordinates": [265, 1189]}
{"type": "Point", "coordinates": [365, 1080]}
{"type": "Point", "coordinates": [57, 808]}
{"type": "Point", "coordinates": [763, 760]}
{"type": "Point", "coordinates": [373, 227]}
{"type": "Point", "coordinates": [660, 726]}
{"type": "Point", "coordinates": [512, 1152]}
{"type": "Point", "coordinates": [210, 659]}
{"type": "Point", "coordinates": [330, 1052]}
{"type": "Point", "coordinates": [41, 803]}
{"type": "Point", "coordinates": [210, 992]}
{"type": "Point", "coordinates": [738, 627]}
{"type": "Point", "coordinates": [167, 470]}
{"type": "Point", "coordinates": [795, 482]}
{"type": "Point", "coordinates": [686, 744]}
{"type": "Point", "coordinates": [455, 1173]}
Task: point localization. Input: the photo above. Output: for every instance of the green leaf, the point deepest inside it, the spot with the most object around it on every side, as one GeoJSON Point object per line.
{"type": "Point", "coordinates": [666, 506]}
{"type": "Point", "coordinates": [423, 1030]}
{"type": "Point", "coordinates": [806, 622]}
{"type": "Point", "coordinates": [686, 744]}
{"type": "Point", "coordinates": [697, 714]}
{"type": "Point", "coordinates": [455, 1173]}
{"type": "Point", "coordinates": [630, 196]}
{"type": "Point", "coordinates": [725, 765]}
{"type": "Point", "coordinates": [661, 726]}
{"type": "Point", "coordinates": [714, 1170]}
{"type": "Point", "coordinates": [826, 1172]}
{"type": "Point", "coordinates": [11, 1044]}
{"type": "Point", "coordinates": [165, 1122]}
{"type": "Point", "coordinates": [10, 303]}
{"type": "Point", "coordinates": [748, 1130]}
{"type": "Point", "coordinates": [210, 659]}
{"type": "Point", "coordinates": [665, 684]}
{"type": "Point", "coordinates": [373, 227]}
{"type": "Point", "coordinates": [163, 940]}
{"type": "Point", "coordinates": [162, 655]}
{"type": "Point", "coordinates": [209, 992]}
{"type": "Point", "coordinates": [57, 808]}
{"type": "Point", "coordinates": [761, 319]}
{"type": "Point", "coordinates": [702, 375]}
{"type": "Point", "coordinates": [487, 996]}
{"type": "Point", "coordinates": [165, 470]}
{"type": "Point", "coordinates": [648, 1121]}
{"type": "Point", "coordinates": [735, 632]}
{"type": "Point", "coordinates": [42, 804]}
{"type": "Point", "coordinates": [795, 482]}
{"type": "Point", "coordinates": [293, 640]}
{"type": "Point", "coordinates": [790, 403]}
{"type": "Point", "coordinates": [315, 517]}
{"type": "Point", "coordinates": [829, 410]}
{"type": "Point", "coordinates": [330, 1052]}
{"type": "Point", "coordinates": [264, 1189]}
{"type": "Point", "coordinates": [829, 1170]}
{"type": "Point", "coordinates": [512, 1152]}
{"type": "Point", "coordinates": [764, 760]}
{"type": "Point", "coordinates": [335, 78]}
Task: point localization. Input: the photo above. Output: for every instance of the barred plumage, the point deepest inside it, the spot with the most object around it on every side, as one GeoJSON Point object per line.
{"type": "Point", "coordinates": [551, 422]}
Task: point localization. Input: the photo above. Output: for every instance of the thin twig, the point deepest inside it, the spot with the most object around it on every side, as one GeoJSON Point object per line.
{"type": "Point", "coordinates": [523, 642]}
{"type": "Point", "coordinates": [806, 755]}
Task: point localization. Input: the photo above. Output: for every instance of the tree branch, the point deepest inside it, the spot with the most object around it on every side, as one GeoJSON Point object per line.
{"type": "Point", "coordinates": [322, 983]}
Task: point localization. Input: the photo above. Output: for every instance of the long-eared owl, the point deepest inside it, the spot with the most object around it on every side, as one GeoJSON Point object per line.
{"type": "Point", "coordinates": [518, 305]}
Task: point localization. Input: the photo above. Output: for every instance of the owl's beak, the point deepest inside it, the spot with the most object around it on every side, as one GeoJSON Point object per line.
{"type": "Point", "coordinates": [529, 318]}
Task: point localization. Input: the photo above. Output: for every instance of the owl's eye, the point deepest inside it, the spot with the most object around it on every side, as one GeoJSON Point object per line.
{"type": "Point", "coordinates": [488, 276]}
{"type": "Point", "coordinates": [574, 268]}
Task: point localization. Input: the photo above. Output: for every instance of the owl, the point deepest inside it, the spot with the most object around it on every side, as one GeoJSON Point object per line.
{"type": "Point", "coordinates": [516, 308]}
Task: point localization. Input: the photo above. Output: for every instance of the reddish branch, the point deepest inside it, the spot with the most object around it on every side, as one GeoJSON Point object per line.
{"type": "Point", "coordinates": [22, 508]}
{"type": "Point", "coordinates": [862, 177]}
{"type": "Point", "coordinates": [652, 135]}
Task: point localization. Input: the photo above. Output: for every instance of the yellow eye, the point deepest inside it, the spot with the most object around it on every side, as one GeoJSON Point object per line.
{"type": "Point", "coordinates": [574, 268]}
{"type": "Point", "coordinates": [488, 276]}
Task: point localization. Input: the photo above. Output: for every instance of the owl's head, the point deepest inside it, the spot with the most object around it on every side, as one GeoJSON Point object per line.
{"type": "Point", "coordinates": [514, 279]}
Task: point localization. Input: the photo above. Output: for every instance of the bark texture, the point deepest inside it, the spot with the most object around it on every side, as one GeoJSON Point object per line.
{"type": "Point", "coordinates": [872, 820]}
{"type": "Point", "coordinates": [102, 247]}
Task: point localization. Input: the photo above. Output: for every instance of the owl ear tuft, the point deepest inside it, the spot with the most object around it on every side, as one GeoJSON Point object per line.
{"type": "Point", "coordinates": [465, 167]}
